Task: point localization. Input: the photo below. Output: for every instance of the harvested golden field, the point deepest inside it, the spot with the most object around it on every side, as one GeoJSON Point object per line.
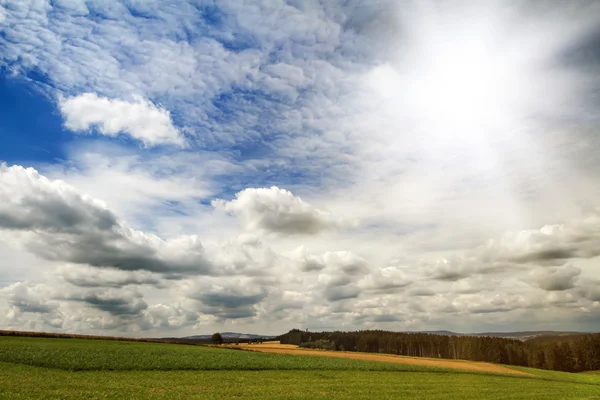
{"type": "Point", "coordinates": [276, 347]}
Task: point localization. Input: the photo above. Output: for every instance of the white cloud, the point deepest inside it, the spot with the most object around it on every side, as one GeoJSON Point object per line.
{"type": "Point", "coordinates": [305, 261]}
{"type": "Point", "coordinates": [170, 184]}
{"type": "Point", "coordinates": [139, 119]}
{"type": "Point", "coordinates": [29, 201]}
{"type": "Point", "coordinates": [33, 298]}
{"type": "Point", "coordinates": [275, 210]}
{"type": "Point", "coordinates": [56, 222]}
{"type": "Point", "coordinates": [231, 299]}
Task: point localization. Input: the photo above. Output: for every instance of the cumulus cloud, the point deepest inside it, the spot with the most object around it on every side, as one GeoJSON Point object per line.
{"type": "Point", "coordinates": [305, 261]}
{"type": "Point", "coordinates": [56, 222]}
{"type": "Point", "coordinates": [590, 291]}
{"type": "Point", "coordinates": [111, 263]}
{"type": "Point", "coordinates": [386, 318]}
{"type": "Point", "coordinates": [551, 245]}
{"type": "Point", "coordinates": [346, 262]}
{"type": "Point", "coordinates": [341, 276]}
{"type": "Point", "coordinates": [387, 280]}
{"type": "Point", "coordinates": [282, 302]}
{"type": "Point", "coordinates": [334, 287]}
{"type": "Point", "coordinates": [556, 279]}
{"type": "Point", "coordinates": [335, 292]}
{"type": "Point", "coordinates": [139, 119]}
{"type": "Point", "coordinates": [71, 308]}
{"type": "Point", "coordinates": [118, 302]}
{"type": "Point", "coordinates": [342, 262]}
{"type": "Point", "coordinates": [31, 202]}
{"type": "Point", "coordinates": [446, 270]}
{"type": "Point", "coordinates": [86, 276]}
{"type": "Point", "coordinates": [234, 299]}
{"type": "Point", "coordinates": [32, 298]}
{"type": "Point", "coordinates": [171, 317]}
{"type": "Point", "coordinates": [275, 210]}
{"type": "Point", "coordinates": [421, 292]}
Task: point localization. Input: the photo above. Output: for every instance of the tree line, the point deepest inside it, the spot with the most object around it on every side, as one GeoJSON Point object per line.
{"type": "Point", "coordinates": [575, 353]}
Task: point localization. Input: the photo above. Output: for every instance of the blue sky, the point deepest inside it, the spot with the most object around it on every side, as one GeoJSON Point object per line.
{"type": "Point", "coordinates": [31, 124]}
{"type": "Point", "coordinates": [185, 167]}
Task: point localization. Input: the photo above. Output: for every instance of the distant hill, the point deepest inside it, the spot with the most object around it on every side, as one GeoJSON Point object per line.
{"type": "Point", "coordinates": [521, 335]}
{"type": "Point", "coordinates": [231, 335]}
{"type": "Point", "coordinates": [228, 337]}
{"type": "Point", "coordinates": [443, 333]}
{"type": "Point", "coordinates": [526, 335]}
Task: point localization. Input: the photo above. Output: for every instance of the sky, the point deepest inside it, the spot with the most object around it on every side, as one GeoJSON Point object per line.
{"type": "Point", "coordinates": [171, 168]}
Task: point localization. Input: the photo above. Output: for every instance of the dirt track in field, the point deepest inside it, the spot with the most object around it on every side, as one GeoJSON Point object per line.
{"type": "Point", "coordinates": [276, 347]}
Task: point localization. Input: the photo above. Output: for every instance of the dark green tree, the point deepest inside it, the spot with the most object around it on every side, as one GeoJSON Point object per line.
{"type": "Point", "coordinates": [216, 338]}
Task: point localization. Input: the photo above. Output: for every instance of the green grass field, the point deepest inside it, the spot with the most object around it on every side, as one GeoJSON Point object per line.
{"type": "Point", "coordinates": [37, 368]}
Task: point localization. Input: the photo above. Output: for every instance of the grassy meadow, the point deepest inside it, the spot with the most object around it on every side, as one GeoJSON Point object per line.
{"type": "Point", "coordinates": [39, 368]}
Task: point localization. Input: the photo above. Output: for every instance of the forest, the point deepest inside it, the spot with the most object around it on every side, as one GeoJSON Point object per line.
{"type": "Point", "coordinates": [572, 353]}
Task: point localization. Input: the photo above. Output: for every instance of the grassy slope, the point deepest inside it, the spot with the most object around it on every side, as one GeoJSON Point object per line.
{"type": "Point", "coordinates": [150, 371]}
{"type": "Point", "coordinates": [82, 355]}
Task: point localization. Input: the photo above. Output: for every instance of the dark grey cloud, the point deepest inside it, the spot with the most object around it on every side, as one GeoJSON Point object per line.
{"type": "Point", "coordinates": [417, 307]}
{"type": "Point", "coordinates": [311, 265]}
{"type": "Point", "coordinates": [388, 287]}
{"type": "Point", "coordinates": [103, 309]}
{"type": "Point", "coordinates": [89, 277]}
{"type": "Point", "coordinates": [547, 256]}
{"type": "Point", "coordinates": [33, 306]}
{"type": "Point", "coordinates": [355, 266]}
{"type": "Point", "coordinates": [386, 318]}
{"type": "Point", "coordinates": [590, 290]}
{"type": "Point", "coordinates": [451, 276]}
{"type": "Point", "coordinates": [32, 298]}
{"type": "Point", "coordinates": [120, 303]}
{"type": "Point", "coordinates": [556, 279]}
{"type": "Point", "coordinates": [232, 300]}
{"type": "Point", "coordinates": [344, 275]}
{"type": "Point", "coordinates": [451, 270]}
{"type": "Point", "coordinates": [50, 212]}
{"type": "Point", "coordinates": [422, 291]}
{"type": "Point", "coordinates": [337, 293]}
{"type": "Point", "coordinates": [585, 52]}
{"type": "Point", "coordinates": [229, 300]}
{"type": "Point", "coordinates": [119, 248]}
{"type": "Point", "coordinates": [115, 306]}
{"type": "Point", "coordinates": [490, 310]}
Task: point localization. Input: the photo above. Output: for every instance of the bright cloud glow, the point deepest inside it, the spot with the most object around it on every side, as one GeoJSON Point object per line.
{"type": "Point", "coordinates": [463, 72]}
